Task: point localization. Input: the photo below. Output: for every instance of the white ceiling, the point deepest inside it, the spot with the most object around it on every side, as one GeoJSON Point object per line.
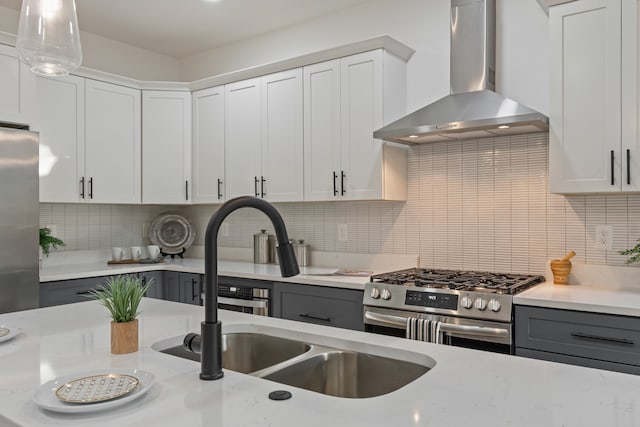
{"type": "Point", "coordinates": [180, 28]}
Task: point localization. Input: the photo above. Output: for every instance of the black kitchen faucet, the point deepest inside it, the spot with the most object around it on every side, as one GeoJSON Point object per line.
{"type": "Point", "coordinates": [211, 328]}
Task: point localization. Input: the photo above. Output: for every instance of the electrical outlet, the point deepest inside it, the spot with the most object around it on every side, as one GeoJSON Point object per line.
{"type": "Point", "coordinates": [225, 229]}
{"type": "Point", "coordinates": [343, 233]}
{"type": "Point", "coordinates": [604, 237]}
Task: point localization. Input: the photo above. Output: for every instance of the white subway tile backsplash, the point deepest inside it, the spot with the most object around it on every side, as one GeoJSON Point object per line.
{"type": "Point", "coordinates": [477, 205]}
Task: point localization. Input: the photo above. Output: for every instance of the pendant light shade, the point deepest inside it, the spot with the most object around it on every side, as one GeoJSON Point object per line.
{"type": "Point", "coordinates": [48, 40]}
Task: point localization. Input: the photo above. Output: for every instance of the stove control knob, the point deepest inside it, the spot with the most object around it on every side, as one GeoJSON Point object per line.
{"type": "Point", "coordinates": [466, 302]}
{"type": "Point", "coordinates": [375, 293]}
{"type": "Point", "coordinates": [494, 305]}
{"type": "Point", "coordinates": [480, 304]}
{"type": "Point", "coordinates": [386, 294]}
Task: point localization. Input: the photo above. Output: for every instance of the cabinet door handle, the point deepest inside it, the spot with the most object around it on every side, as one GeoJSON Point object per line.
{"type": "Point", "coordinates": [186, 190]}
{"type": "Point", "coordinates": [255, 186]}
{"type": "Point", "coordinates": [612, 162]}
{"type": "Point", "coordinates": [262, 181]}
{"type": "Point", "coordinates": [194, 294]}
{"type": "Point", "coordinates": [342, 178]}
{"type": "Point", "coordinates": [91, 188]}
{"type": "Point", "coordinates": [335, 186]}
{"type": "Point", "coordinates": [219, 189]}
{"type": "Point", "coordinates": [628, 167]}
{"type": "Point", "coordinates": [600, 338]}
{"type": "Point", "coordinates": [82, 187]}
{"type": "Point", "coordinates": [312, 317]}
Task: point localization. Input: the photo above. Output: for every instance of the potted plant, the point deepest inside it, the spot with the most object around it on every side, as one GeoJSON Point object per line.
{"type": "Point", "coordinates": [48, 242]}
{"type": "Point", "coordinates": [121, 296]}
{"type": "Point", "coordinates": [634, 252]}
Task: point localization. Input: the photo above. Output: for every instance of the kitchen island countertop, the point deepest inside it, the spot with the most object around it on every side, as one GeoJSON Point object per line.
{"type": "Point", "coordinates": [466, 387]}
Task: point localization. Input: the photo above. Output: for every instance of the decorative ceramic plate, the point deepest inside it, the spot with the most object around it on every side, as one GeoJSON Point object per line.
{"type": "Point", "coordinates": [97, 388]}
{"type": "Point", "coordinates": [45, 396]}
{"type": "Point", "coordinates": [7, 333]}
{"type": "Point", "coordinates": [172, 232]}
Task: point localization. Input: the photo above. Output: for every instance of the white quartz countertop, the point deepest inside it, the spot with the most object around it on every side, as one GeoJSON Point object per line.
{"type": "Point", "coordinates": [308, 275]}
{"type": "Point", "coordinates": [592, 288]}
{"type": "Point", "coordinates": [592, 298]}
{"type": "Point", "coordinates": [466, 387]}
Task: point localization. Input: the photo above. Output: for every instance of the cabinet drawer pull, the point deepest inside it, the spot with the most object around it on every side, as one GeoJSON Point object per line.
{"type": "Point", "coordinates": [599, 338]}
{"type": "Point", "coordinates": [82, 187]}
{"type": "Point", "coordinates": [311, 316]}
{"type": "Point", "coordinates": [628, 167]}
{"type": "Point", "coordinates": [219, 189]}
{"type": "Point", "coordinates": [612, 163]}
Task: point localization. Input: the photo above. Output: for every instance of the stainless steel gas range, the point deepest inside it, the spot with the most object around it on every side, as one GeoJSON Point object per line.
{"type": "Point", "coordinates": [471, 309]}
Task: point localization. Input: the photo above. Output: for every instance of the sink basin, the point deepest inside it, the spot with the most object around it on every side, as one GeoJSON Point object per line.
{"type": "Point", "coordinates": [349, 374]}
{"type": "Point", "coordinates": [248, 352]}
{"type": "Point", "coordinates": [329, 366]}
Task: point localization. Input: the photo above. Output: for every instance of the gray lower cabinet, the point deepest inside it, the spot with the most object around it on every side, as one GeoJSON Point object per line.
{"type": "Point", "coordinates": [155, 289]}
{"type": "Point", "coordinates": [77, 290]}
{"type": "Point", "coordinates": [322, 305]}
{"type": "Point", "coordinates": [182, 287]}
{"type": "Point", "coordinates": [595, 340]}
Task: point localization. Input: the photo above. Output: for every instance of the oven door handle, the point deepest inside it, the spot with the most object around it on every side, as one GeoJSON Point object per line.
{"type": "Point", "coordinates": [248, 303]}
{"type": "Point", "coordinates": [444, 327]}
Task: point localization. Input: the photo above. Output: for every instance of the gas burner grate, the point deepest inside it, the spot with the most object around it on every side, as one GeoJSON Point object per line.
{"type": "Point", "coordinates": [502, 283]}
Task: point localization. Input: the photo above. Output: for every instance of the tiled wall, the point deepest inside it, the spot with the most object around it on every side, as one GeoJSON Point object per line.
{"type": "Point", "coordinates": [479, 204]}
{"type": "Point", "coordinates": [86, 227]}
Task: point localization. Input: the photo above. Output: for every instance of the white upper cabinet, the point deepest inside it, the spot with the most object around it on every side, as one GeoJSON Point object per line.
{"type": "Point", "coordinates": [243, 132]}
{"type": "Point", "coordinates": [282, 137]}
{"type": "Point", "coordinates": [17, 88]}
{"type": "Point", "coordinates": [166, 147]}
{"type": "Point", "coordinates": [208, 145]}
{"type": "Point", "coordinates": [263, 140]}
{"type": "Point", "coordinates": [345, 101]}
{"type": "Point", "coordinates": [630, 121]}
{"type": "Point", "coordinates": [60, 120]}
{"type": "Point", "coordinates": [593, 142]}
{"type": "Point", "coordinates": [112, 143]}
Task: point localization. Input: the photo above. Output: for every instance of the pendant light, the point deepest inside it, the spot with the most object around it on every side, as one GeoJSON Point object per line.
{"type": "Point", "coordinates": [48, 40]}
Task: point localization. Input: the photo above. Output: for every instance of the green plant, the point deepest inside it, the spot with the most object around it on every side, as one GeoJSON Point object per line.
{"type": "Point", "coordinates": [121, 296]}
{"type": "Point", "coordinates": [634, 252]}
{"type": "Point", "coordinates": [47, 241]}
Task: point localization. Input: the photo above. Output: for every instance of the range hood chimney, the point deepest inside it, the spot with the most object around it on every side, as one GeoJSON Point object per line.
{"type": "Point", "coordinates": [472, 110]}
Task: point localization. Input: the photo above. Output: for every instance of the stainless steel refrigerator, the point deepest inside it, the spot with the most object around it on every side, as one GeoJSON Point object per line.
{"type": "Point", "coordinates": [19, 220]}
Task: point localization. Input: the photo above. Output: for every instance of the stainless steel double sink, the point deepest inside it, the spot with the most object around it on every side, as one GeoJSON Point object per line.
{"type": "Point", "coordinates": [340, 372]}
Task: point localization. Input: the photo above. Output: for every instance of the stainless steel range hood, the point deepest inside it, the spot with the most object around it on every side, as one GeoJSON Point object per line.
{"type": "Point", "coordinates": [473, 109]}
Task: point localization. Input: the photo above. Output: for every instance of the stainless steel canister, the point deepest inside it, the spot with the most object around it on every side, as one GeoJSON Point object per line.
{"type": "Point", "coordinates": [303, 253]}
{"type": "Point", "coordinates": [262, 253]}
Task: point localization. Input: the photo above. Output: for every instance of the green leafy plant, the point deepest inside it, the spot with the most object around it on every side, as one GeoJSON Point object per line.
{"type": "Point", "coordinates": [47, 241]}
{"type": "Point", "coordinates": [121, 296]}
{"type": "Point", "coordinates": [634, 252]}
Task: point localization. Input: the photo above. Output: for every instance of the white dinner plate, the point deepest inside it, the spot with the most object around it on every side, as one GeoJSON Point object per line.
{"type": "Point", "coordinates": [45, 396]}
{"type": "Point", "coordinates": [7, 333]}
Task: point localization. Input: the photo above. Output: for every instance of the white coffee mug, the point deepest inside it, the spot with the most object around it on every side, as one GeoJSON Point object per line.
{"type": "Point", "coordinates": [136, 252]}
{"type": "Point", "coordinates": [117, 253]}
{"type": "Point", "coordinates": [154, 251]}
